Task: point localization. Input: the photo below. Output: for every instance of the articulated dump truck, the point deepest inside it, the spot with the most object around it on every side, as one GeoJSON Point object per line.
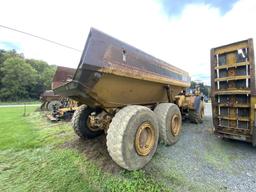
{"type": "Point", "coordinates": [127, 94]}
{"type": "Point", "coordinates": [233, 91]}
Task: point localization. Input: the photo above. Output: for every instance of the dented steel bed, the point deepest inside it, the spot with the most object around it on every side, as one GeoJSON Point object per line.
{"type": "Point", "coordinates": [112, 74]}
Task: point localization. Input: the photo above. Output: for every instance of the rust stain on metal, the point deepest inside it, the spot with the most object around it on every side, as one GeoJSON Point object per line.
{"type": "Point", "coordinates": [62, 76]}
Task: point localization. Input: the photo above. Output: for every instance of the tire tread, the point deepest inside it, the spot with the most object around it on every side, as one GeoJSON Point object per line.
{"type": "Point", "coordinates": [116, 132]}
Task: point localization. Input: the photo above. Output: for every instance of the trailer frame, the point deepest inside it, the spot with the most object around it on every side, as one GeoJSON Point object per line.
{"type": "Point", "coordinates": [233, 92]}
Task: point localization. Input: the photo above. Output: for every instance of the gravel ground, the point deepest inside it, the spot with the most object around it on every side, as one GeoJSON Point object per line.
{"type": "Point", "coordinates": [204, 162]}
{"type": "Point", "coordinates": [199, 161]}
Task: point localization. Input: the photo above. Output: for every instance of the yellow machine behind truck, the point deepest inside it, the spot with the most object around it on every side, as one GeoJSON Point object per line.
{"type": "Point", "coordinates": [233, 91]}
{"type": "Point", "coordinates": [191, 104]}
{"type": "Point", "coordinates": [60, 108]}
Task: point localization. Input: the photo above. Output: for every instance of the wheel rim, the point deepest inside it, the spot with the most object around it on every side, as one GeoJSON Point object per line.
{"type": "Point", "coordinates": [90, 126]}
{"type": "Point", "coordinates": [175, 125]}
{"type": "Point", "coordinates": [145, 139]}
{"type": "Point", "coordinates": [51, 104]}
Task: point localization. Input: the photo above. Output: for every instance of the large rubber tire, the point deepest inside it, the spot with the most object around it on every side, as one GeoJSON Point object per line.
{"type": "Point", "coordinates": [122, 133]}
{"type": "Point", "coordinates": [196, 116]}
{"type": "Point", "coordinates": [167, 114]}
{"type": "Point", "coordinates": [79, 123]}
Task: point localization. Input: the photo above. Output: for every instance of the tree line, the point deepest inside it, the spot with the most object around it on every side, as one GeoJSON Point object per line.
{"type": "Point", "coordinates": [21, 78]}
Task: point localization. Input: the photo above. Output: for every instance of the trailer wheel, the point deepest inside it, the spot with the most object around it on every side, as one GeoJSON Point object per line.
{"type": "Point", "coordinates": [80, 123]}
{"type": "Point", "coordinates": [196, 116]}
{"type": "Point", "coordinates": [169, 118]}
{"type": "Point", "coordinates": [53, 105]}
{"type": "Point", "coordinates": [132, 137]}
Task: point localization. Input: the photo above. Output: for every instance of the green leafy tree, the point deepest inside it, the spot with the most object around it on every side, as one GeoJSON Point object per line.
{"type": "Point", "coordinates": [19, 79]}
{"type": "Point", "coordinates": [44, 76]}
{"type": "Point", "coordinates": [5, 55]}
{"type": "Point", "coordinates": [23, 79]}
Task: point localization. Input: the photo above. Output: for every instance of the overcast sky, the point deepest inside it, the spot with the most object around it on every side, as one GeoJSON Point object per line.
{"type": "Point", "coordinates": [180, 32]}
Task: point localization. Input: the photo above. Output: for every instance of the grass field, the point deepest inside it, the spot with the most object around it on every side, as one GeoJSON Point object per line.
{"type": "Point", "coordinates": [32, 158]}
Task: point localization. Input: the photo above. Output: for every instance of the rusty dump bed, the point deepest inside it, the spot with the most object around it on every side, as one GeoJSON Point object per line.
{"type": "Point", "coordinates": [112, 73]}
{"type": "Point", "coordinates": [62, 76]}
{"type": "Point", "coordinates": [233, 90]}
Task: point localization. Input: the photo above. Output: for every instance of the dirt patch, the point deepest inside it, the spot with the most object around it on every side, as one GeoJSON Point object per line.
{"type": "Point", "coordinates": [95, 150]}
